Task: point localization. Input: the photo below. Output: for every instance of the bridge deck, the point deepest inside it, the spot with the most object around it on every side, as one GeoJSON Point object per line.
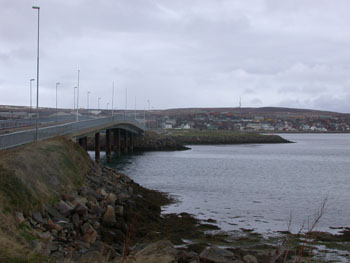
{"type": "Point", "coordinates": [71, 130]}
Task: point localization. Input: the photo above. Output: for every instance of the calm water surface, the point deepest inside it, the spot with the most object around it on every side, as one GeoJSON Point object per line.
{"type": "Point", "coordinates": [254, 186]}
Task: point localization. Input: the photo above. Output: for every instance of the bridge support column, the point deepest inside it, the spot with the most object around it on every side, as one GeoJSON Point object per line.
{"type": "Point", "coordinates": [131, 146]}
{"type": "Point", "coordinates": [83, 142]}
{"type": "Point", "coordinates": [116, 138]}
{"type": "Point", "coordinates": [126, 144]}
{"type": "Point", "coordinates": [97, 146]}
{"type": "Point", "coordinates": [108, 145]}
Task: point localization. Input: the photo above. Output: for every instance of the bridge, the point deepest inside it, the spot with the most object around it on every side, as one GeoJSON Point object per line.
{"type": "Point", "coordinates": [123, 128]}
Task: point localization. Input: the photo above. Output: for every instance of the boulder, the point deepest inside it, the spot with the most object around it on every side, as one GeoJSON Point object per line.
{"type": "Point", "coordinates": [215, 255]}
{"type": "Point", "coordinates": [101, 191]}
{"type": "Point", "coordinates": [90, 234]}
{"type": "Point", "coordinates": [250, 259]}
{"type": "Point", "coordinates": [53, 226]}
{"type": "Point", "coordinates": [119, 209]}
{"type": "Point", "coordinates": [81, 209]}
{"type": "Point", "coordinates": [19, 217]}
{"type": "Point", "coordinates": [38, 218]}
{"type": "Point", "coordinates": [109, 216]}
{"type": "Point", "coordinates": [76, 220]}
{"type": "Point", "coordinates": [65, 208]}
{"type": "Point", "coordinates": [111, 198]}
{"type": "Point", "coordinates": [159, 252]}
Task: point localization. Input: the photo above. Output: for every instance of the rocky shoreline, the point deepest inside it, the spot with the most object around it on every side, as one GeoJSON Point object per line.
{"type": "Point", "coordinates": [113, 219]}
{"type": "Point", "coordinates": [96, 214]}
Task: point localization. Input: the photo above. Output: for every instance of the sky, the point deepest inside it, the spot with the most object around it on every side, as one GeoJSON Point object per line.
{"type": "Point", "coordinates": [175, 54]}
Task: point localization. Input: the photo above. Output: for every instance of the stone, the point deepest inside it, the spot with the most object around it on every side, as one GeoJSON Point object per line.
{"type": "Point", "coordinates": [101, 191]}
{"type": "Point", "coordinates": [65, 208]}
{"type": "Point", "coordinates": [81, 209]}
{"type": "Point", "coordinates": [80, 200]}
{"type": "Point", "coordinates": [111, 198]}
{"type": "Point", "coordinates": [109, 216]}
{"type": "Point", "coordinates": [38, 218]}
{"type": "Point", "coordinates": [53, 226]}
{"type": "Point", "coordinates": [76, 220]}
{"type": "Point", "coordinates": [124, 196]}
{"type": "Point", "coordinates": [54, 213]}
{"type": "Point", "coordinates": [160, 252]}
{"type": "Point", "coordinates": [250, 259]}
{"type": "Point", "coordinates": [90, 235]}
{"type": "Point", "coordinates": [19, 217]}
{"type": "Point", "coordinates": [215, 255]}
{"type": "Point", "coordinates": [119, 209]}
{"type": "Point", "coordinates": [108, 236]}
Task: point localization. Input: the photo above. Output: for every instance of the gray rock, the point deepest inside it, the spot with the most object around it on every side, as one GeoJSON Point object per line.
{"type": "Point", "coordinates": [19, 217]}
{"type": "Point", "coordinates": [76, 219]}
{"type": "Point", "coordinates": [109, 216]}
{"type": "Point", "coordinates": [250, 259]}
{"type": "Point", "coordinates": [65, 208]}
{"type": "Point", "coordinates": [54, 213]}
{"type": "Point", "coordinates": [38, 218]}
{"type": "Point", "coordinates": [81, 209]}
{"type": "Point", "coordinates": [215, 255]}
{"type": "Point", "coordinates": [119, 209]}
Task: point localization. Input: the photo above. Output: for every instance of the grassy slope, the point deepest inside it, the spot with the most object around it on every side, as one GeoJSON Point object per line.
{"type": "Point", "coordinates": [29, 176]}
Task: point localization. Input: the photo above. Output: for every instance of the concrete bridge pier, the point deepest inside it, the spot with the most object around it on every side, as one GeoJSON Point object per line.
{"type": "Point", "coordinates": [126, 144]}
{"type": "Point", "coordinates": [116, 142]}
{"type": "Point", "coordinates": [97, 146]}
{"type": "Point", "coordinates": [108, 145]}
{"type": "Point", "coordinates": [131, 146]}
{"type": "Point", "coordinates": [83, 143]}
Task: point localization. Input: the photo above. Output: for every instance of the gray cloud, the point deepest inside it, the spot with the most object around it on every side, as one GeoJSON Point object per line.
{"type": "Point", "coordinates": [180, 53]}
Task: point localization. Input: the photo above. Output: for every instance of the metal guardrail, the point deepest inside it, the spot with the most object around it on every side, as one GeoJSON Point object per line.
{"type": "Point", "coordinates": [22, 137]}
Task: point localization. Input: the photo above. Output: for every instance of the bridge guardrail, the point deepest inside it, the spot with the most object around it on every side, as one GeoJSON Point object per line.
{"type": "Point", "coordinates": [23, 137]}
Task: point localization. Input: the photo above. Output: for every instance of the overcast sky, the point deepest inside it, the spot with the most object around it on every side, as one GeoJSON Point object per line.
{"type": "Point", "coordinates": [179, 53]}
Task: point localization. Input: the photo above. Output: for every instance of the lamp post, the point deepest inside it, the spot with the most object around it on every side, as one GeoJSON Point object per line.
{"type": "Point", "coordinates": [112, 99]}
{"type": "Point", "coordinates": [88, 93]}
{"type": "Point", "coordinates": [77, 116]}
{"type": "Point", "coordinates": [98, 103]}
{"type": "Point", "coordinates": [56, 101]}
{"type": "Point", "coordinates": [31, 93]}
{"type": "Point", "coordinates": [37, 78]}
{"type": "Point", "coordinates": [149, 113]}
{"type": "Point", "coordinates": [74, 97]}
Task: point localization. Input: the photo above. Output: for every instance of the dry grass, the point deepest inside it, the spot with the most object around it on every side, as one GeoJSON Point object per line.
{"type": "Point", "coordinates": [30, 176]}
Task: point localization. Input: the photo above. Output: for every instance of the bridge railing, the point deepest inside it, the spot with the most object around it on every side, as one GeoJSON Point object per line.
{"type": "Point", "coordinates": [22, 137]}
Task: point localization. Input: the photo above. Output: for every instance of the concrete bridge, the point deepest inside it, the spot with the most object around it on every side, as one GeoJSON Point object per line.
{"type": "Point", "coordinates": [123, 128]}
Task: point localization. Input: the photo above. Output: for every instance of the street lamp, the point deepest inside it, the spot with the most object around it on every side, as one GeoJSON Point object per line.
{"type": "Point", "coordinates": [88, 93]}
{"type": "Point", "coordinates": [107, 105]}
{"type": "Point", "coordinates": [37, 78]}
{"type": "Point", "coordinates": [77, 117]}
{"type": "Point", "coordinates": [31, 93]}
{"type": "Point", "coordinates": [74, 97]}
{"type": "Point", "coordinates": [56, 101]}
{"type": "Point", "coordinates": [98, 103]}
{"type": "Point", "coordinates": [112, 99]}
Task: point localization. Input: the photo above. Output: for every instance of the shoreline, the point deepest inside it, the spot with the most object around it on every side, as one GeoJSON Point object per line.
{"type": "Point", "coordinates": [86, 212]}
